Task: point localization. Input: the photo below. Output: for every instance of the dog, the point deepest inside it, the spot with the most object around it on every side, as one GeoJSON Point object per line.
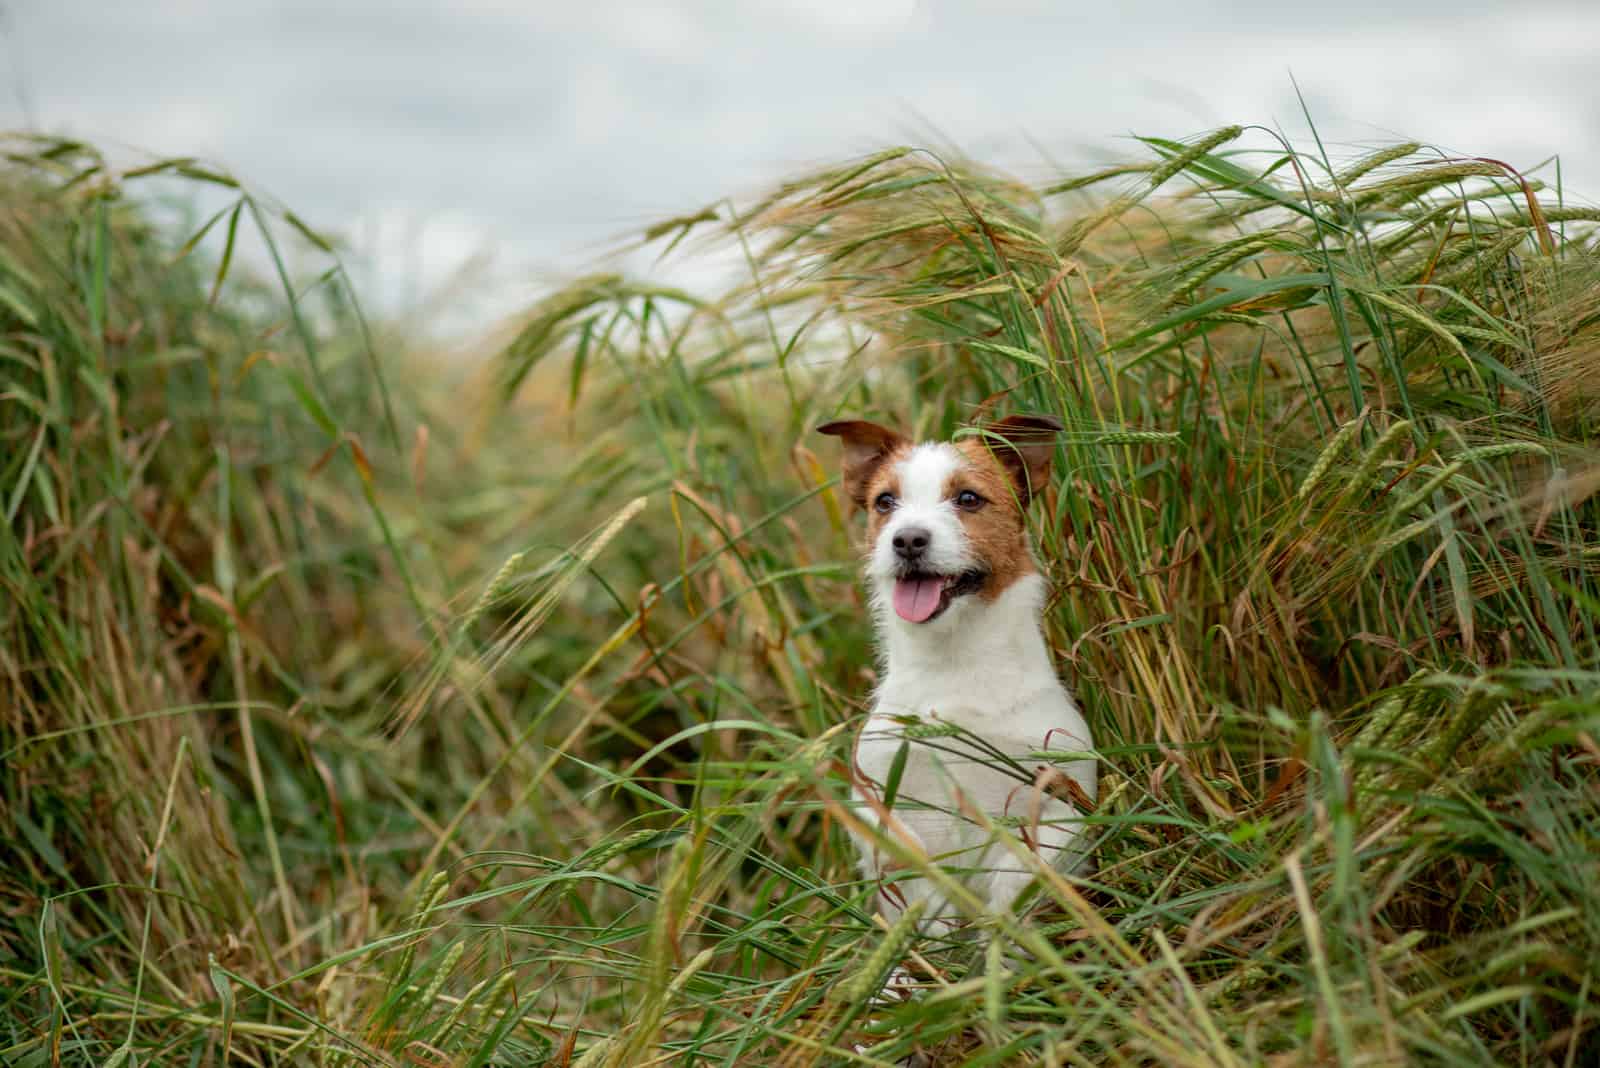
{"type": "Point", "coordinates": [949, 762]}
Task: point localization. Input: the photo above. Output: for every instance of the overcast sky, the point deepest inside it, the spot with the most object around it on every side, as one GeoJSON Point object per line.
{"type": "Point", "coordinates": [429, 130]}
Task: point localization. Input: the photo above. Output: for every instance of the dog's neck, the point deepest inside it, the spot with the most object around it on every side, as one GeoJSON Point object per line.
{"type": "Point", "coordinates": [987, 653]}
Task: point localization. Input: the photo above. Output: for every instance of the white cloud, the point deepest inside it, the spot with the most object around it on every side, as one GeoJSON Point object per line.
{"type": "Point", "coordinates": [864, 18]}
{"type": "Point", "coordinates": [548, 127]}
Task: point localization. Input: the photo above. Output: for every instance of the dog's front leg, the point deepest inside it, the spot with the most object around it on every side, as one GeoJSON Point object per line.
{"type": "Point", "coordinates": [1056, 839]}
{"type": "Point", "coordinates": [889, 837]}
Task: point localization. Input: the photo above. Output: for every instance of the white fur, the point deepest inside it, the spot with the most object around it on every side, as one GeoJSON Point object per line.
{"type": "Point", "coordinates": [981, 666]}
{"type": "Point", "coordinates": [923, 476]}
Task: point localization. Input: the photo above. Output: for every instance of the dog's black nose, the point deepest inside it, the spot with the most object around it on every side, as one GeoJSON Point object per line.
{"type": "Point", "coordinates": [910, 542]}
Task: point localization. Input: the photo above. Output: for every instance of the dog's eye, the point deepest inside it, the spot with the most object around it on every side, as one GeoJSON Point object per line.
{"type": "Point", "coordinates": [969, 500]}
{"type": "Point", "coordinates": [884, 503]}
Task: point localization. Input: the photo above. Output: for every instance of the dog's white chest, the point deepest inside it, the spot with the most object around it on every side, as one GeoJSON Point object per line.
{"type": "Point", "coordinates": [967, 755]}
{"type": "Point", "coordinates": [953, 778]}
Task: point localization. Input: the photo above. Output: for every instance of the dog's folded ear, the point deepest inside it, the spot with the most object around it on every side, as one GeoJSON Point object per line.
{"type": "Point", "coordinates": [1026, 446]}
{"type": "Point", "coordinates": [866, 446]}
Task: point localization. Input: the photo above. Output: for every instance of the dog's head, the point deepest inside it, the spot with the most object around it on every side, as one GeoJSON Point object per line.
{"type": "Point", "coordinates": [945, 519]}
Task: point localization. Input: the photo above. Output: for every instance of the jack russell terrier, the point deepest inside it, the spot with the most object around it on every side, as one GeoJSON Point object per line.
{"type": "Point", "coordinates": [952, 754]}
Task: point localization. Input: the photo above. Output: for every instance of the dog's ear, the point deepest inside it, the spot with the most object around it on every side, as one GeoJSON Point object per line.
{"type": "Point", "coordinates": [1026, 446]}
{"type": "Point", "coordinates": [866, 446]}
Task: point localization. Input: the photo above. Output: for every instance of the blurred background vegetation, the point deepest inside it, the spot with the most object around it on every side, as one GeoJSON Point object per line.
{"type": "Point", "coordinates": [360, 705]}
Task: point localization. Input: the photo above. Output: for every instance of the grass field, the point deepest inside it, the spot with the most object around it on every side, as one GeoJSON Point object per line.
{"type": "Point", "coordinates": [361, 705]}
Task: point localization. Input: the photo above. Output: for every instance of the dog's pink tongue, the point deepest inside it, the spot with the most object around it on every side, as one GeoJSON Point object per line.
{"type": "Point", "coordinates": [916, 599]}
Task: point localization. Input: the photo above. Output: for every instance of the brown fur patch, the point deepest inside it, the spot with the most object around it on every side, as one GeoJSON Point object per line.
{"type": "Point", "coordinates": [868, 447]}
{"type": "Point", "coordinates": [996, 530]}
{"type": "Point", "coordinates": [886, 479]}
{"type": "Point", "coordinates": [1025, 445]}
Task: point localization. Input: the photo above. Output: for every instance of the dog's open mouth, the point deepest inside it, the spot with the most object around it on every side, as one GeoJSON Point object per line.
{"type": "Point", "coordinates": [920, 597]}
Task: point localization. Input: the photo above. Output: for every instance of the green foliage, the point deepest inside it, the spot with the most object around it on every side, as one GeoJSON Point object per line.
{"type": "Point", "coordinates": [362, 707]}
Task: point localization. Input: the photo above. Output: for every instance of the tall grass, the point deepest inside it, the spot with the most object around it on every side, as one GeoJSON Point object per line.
{"type": "Point", "coordinates": [357, 708]}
